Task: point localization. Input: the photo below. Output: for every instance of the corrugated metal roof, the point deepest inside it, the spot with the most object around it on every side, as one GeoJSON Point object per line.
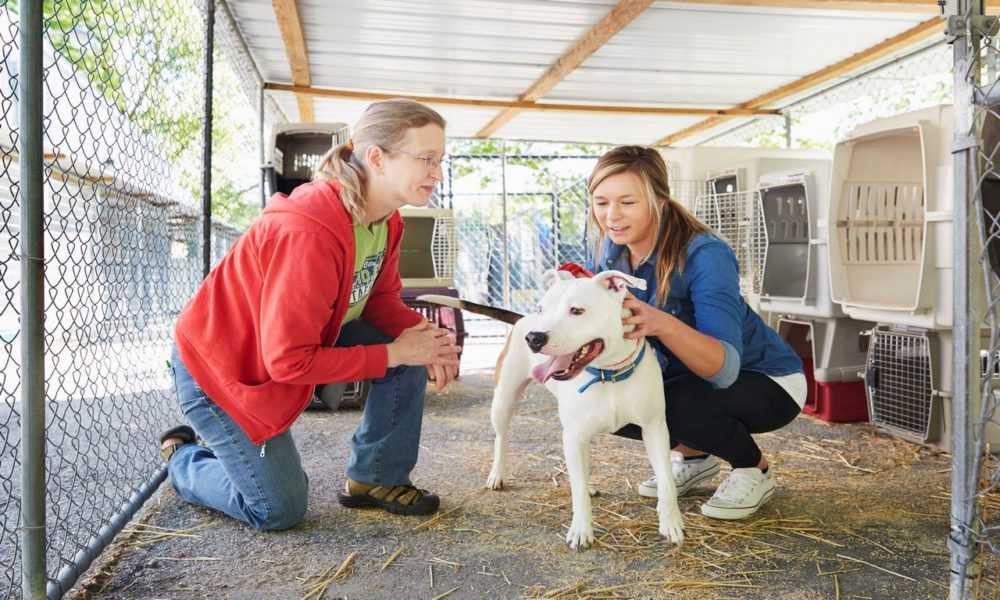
{"type": "Point", "coordinates": [673, 54]}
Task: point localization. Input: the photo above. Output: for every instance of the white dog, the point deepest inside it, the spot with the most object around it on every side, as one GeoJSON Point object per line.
{"type": "Point", "coordinates": [574, 345]}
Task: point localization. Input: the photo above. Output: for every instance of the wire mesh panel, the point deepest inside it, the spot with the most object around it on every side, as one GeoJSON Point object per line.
{"type": "Point", "coordinates": [122, 118]}
{"type": "Point", "coordinates": [899, 381]}
{"type": "Point", "coordinates": [977, 69]}
{"type": "Point", "coordinates": [516, 216]}
{"type": "Point", "coordinates": [738, 218]}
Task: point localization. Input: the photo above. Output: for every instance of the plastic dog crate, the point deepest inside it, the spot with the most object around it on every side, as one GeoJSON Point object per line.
{"type": "Point", "coordinates": [833, 360]}
{"type": "Point", "coordinates": [908, 383]}
{"type": "Point", "coordinates": [295, 151]}
{"type": "Point", "coordinates": [795, 273]}
{"type": "Point", "coordinates": [891, 221]}
{"type": "Point", "coordinates": [429, 248]}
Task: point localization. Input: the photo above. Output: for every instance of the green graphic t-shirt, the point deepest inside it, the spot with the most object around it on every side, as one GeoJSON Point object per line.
{"type": "Point", "coordinates": [369, 250]}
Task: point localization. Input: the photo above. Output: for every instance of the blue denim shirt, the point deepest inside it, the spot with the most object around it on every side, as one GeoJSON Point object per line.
{"type": "Point", "coordinates": [706, 296]}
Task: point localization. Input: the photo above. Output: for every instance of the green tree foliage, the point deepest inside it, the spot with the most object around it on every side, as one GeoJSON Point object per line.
{"type": "Point", "coordinates": [145, 58]}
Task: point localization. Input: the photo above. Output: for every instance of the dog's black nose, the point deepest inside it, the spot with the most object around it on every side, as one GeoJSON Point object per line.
{"type": "Point", "coordinates": [536, 339]}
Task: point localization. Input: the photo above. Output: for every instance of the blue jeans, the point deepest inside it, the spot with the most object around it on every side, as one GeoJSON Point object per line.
{"type": "Point", "coordinates": [265, 486]}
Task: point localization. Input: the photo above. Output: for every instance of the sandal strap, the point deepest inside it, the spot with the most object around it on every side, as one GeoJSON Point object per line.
{"type": "Point", "coordinates": [403, 494]}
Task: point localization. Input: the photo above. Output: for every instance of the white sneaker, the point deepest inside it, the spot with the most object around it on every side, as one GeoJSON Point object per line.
{"type": "Point", "coordinates": [687, 474]}
{"type": "Point", "coordinates": [740, 494]}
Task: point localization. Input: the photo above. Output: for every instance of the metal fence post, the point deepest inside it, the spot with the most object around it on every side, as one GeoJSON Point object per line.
{"type": "Point", "coordinates": [263, 170]}
{"type": "Point", "coordinates": [788, 129]}
{"type": "Point", "coordinates": [506, 235]}
{"type": "Point", "coordinates": [965, 401]}
{"type": "Point", "coordinates": [206, 182]}
{"type": "Point", "coordinates": [33, 567]}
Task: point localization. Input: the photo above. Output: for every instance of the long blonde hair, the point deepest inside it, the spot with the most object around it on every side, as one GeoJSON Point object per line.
{"type": "Point", "coordinates": [383, 124]}
{"type": "Point", "coordinates": [679, 225]}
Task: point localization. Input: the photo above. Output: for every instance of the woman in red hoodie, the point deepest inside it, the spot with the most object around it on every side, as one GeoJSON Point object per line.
{"type": "Point", "coordinates": [310, 295]}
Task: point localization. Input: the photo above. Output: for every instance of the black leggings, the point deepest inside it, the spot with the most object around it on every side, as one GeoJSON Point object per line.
{"type": "Point", "coordinates": [720, 422]}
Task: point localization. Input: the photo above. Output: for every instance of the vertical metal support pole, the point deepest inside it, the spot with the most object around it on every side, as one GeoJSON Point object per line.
{"type": "Point", "coordinates": [206, 181]}
{"type": "Point", "coordinates": [451, 184]}
{"type": "Point", "coordinates": [556, 226]}
{"type": "Point", "coordinates": [788, 129]}
{"type": "Point", "coordinates": [260, 143]}
{"type": "Point", "coordinates": [506, 236]}
{"type": "Point", "coordinates": [966, 401]}
{"type": "Point", "coordinates": [33, 569]}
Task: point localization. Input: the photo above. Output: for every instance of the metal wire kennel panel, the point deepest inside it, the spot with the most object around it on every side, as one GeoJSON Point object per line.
{"type": "Point", "coordinates": [122, 254]}
{"type": "Point", "coordinates": [908, 381]}
{"type": "Point", "coordinates": [891, 221]}
{"type": "Point", "coordinates": [737, 218]}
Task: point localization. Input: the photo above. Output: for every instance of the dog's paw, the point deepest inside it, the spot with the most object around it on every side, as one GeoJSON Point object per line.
{"type": "Point", "coordinates": [580, 535]}
{"type": "Point", "coordinates": [495, 480]}
{"type": "Point", "coordinates": [672, 525]}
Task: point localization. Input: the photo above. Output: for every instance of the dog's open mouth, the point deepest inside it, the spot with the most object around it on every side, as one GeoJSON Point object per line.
{"type": "Point", "coordinates": [568, 366]}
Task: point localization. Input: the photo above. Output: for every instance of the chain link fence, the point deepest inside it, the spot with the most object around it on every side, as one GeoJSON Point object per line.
{"type": "Point", "coordinates": [976, 474]}
{"type": "Point", "coordinates": [122, 118]}
{"type": "Point", "coordinates": [516, 216]}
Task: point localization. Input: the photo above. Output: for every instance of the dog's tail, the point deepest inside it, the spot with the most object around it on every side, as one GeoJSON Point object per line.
{"type": "Point", "coordinates": [500, 314]}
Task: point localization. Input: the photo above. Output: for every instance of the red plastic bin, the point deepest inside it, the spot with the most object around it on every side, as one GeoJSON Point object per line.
{"type": "Point", "coordinates": [834, 401]}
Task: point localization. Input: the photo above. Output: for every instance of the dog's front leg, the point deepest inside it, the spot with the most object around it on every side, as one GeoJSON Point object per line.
{"type": "Point", "coordinates": [513, 376]}
{"type": "Point", "coordinates": [657, 440]}
{"type": "Point", "coordinates": [581, 529]}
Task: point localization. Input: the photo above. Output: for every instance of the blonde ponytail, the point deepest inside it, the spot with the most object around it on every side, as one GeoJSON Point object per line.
{"type": "Point", "coordinates": [383, 124]}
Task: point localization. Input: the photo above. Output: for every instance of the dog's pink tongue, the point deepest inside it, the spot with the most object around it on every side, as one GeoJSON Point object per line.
{"type": "Point", "coordinates": [544, 371]}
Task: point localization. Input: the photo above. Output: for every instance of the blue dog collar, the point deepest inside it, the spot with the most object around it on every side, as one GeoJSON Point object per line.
{"type": "Point", "coordinates": [613, 375]}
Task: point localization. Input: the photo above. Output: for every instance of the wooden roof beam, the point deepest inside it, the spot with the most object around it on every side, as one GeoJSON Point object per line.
{"type": "Point", "coordinates": [518, 105]}
{"type": "Point", "coordinates": [613, 22]}
{"type": "Point", "coordinates": [909, 37]}
{"type": "Point", "coordinates": [293, 36]}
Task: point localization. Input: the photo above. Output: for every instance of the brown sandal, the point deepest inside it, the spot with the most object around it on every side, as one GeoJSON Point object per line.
{"type": "Point", "coordinates": [397, 499]}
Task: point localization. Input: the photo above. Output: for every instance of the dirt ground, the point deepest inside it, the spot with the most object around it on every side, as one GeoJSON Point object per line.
{"type": "Point", "coordinates": [857, 515]}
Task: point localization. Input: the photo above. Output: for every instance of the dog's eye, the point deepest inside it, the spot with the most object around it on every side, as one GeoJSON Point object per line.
{"type": "Point", "coordinates": [575, 310]}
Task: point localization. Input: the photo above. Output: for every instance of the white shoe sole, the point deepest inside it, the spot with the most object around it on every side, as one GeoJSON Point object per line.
{"type": "Point", "coordinates": [733, 513]}
{"type": "Point", "coordinates": [649, 491]}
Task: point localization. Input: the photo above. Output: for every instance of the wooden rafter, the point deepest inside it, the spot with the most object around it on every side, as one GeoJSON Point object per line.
{"type": "Point", "coordinates": [598, 35]}
{"type": "Point", "coordinates": [293, 36]}
{"type": "Point", "coordinates": [518, 105]}
{"type": "Point", "coordinates": [909, 37]}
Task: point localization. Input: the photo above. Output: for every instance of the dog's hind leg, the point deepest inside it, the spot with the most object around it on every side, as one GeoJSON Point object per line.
{"type": "Point", "coordinates": [513, 375]}
{"type": "Point", "coordinates": [581, 528]}
{"type": "Point", "coordinates": [657, 441]}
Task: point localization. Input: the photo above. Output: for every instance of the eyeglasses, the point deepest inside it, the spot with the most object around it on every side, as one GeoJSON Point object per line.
{"type": "Point", "coordinates": [430, 163]}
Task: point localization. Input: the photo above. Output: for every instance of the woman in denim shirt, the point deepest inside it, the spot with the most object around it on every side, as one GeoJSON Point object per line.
{"type": "Point", "coordinates": [726, 374]}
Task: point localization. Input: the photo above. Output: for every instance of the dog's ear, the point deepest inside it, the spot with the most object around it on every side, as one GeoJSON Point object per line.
{"type": "Point", "coordinates": [554, 276]}
{"type": "Point", "coordinates": [617, 281]}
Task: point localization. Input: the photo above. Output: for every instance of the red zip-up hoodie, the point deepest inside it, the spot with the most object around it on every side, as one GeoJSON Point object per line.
{"type": "Point", "coordinates": [258, 334]}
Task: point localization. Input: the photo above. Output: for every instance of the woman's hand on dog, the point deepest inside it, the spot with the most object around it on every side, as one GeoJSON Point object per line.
{"type": "Point", "coordinates": [648, 320]}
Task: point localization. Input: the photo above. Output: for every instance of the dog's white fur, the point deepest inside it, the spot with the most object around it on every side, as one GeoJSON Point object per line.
{"type": "Point", "coordinates": [603, 407]}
